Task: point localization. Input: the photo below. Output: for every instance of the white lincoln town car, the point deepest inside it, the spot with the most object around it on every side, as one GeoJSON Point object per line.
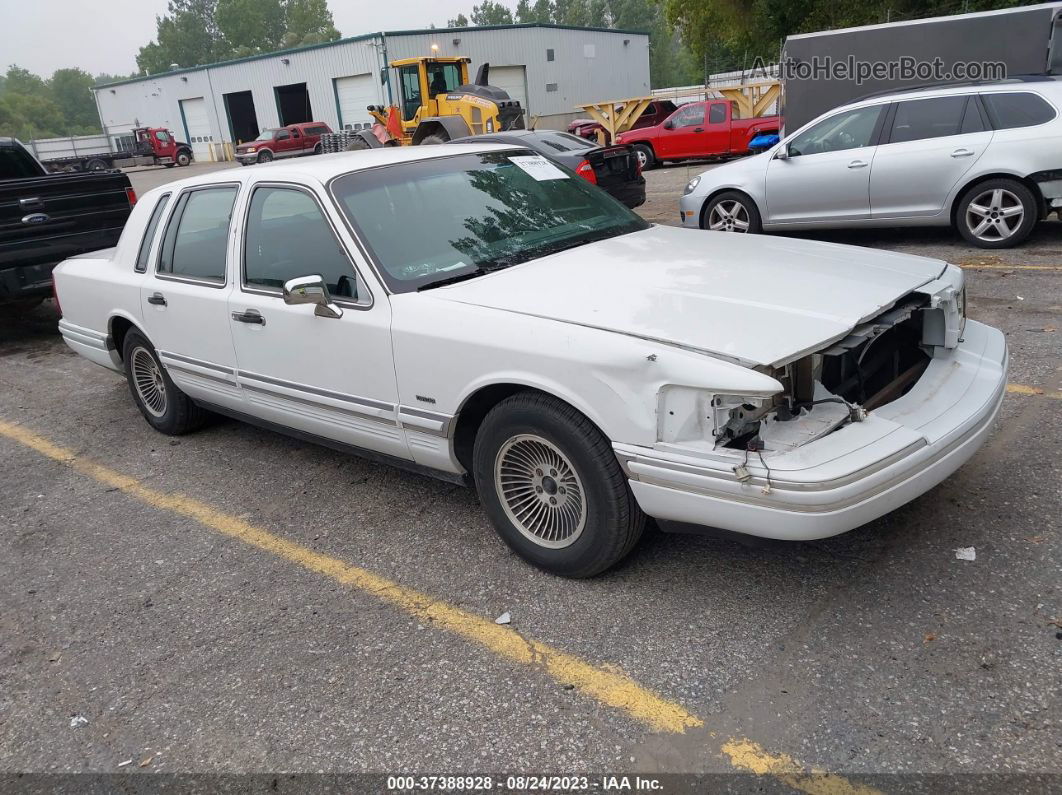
{"type": "Point", "coordinates": [477, 313]}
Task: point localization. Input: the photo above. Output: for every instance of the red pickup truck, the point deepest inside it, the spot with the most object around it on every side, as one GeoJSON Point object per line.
{"type": "Point", "coordinates": [696, 130]}
{"type": "Point", "coordinates": [291, 141]}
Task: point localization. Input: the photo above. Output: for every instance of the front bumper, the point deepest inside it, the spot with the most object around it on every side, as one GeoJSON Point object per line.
{"type": "Point", "coordinates": [690, 210]}
{"type": "Point", "coordinates": [847, 478]}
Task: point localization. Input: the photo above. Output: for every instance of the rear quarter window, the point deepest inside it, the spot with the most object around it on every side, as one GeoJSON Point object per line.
{"type": "Point", "coordinates": [149, 234]}
{"type": "Point", "coordinates": [1008, 110]}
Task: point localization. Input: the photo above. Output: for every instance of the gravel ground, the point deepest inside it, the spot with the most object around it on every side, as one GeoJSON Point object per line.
{"type": "Point", "coordinates": [877, 652]}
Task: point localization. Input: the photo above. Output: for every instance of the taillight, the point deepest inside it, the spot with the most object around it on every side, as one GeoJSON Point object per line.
{"type": "Point", "coordinates": [130, 194]}
{"type": "Point", "coordinates": [586, 171]}
{"type": "Point", "coordinates": [55, 296]}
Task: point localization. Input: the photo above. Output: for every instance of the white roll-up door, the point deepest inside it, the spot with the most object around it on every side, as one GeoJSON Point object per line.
{"type": "Point", "coordinates": [353, 95]}
{"type": "Point", "coordinates": [513, 79]}
{"type": "Point", "coordinates": [197, 123]}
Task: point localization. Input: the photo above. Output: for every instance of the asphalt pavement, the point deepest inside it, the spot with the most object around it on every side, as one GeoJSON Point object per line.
{"type": "Point", "coordinates": [236, 601]}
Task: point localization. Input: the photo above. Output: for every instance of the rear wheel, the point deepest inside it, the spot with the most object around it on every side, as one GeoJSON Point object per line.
{"type": "Point", "coordinates": [646, 158]}
{"type": "Point", "coordinates": [265, 157]}
{"type": "Point", "coordinates": [166, 408]}
{"type": "Point", "coordinates": [732, 212]}
{"type": "Point", "coordinates": [96, 164]}
{"type": "Point", "coordinates": [433, 140]}
{"type": "Point", "coordinates": [183, 158]}
{"type": "Point", "coordinates": [998, 213]}
{"type": "Point", "coordinates": [552, 487]}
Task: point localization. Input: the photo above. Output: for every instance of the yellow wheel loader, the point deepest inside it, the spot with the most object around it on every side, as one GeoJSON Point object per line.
{"type": "Point", "coordinates": [438, 104]}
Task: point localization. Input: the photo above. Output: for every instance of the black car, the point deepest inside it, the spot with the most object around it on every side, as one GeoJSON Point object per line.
{"type": "Point", "coordinates": [614, 169]}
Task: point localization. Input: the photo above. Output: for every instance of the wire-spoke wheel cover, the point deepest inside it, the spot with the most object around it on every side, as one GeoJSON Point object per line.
{"type": "Point", "coordinates": [994, 215]}
{"type": "Point", "coordinates": [729, 216]}
{"type": "Point", "coordinates": [149, 383]}
{"type": "Point", "coordinates": [540, 491]}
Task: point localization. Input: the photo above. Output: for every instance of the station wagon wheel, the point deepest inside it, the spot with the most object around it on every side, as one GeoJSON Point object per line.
{"type": "Point", "coordinates": [540, 491]}
{"type": "Point", "coordinates": [550, 483]}
{"type": "Point", "coordinates": [997, 214]}
{"type": "Point", "coordinates": [732, 212]}
{"type": "Point", "coordinates": [166, 408]}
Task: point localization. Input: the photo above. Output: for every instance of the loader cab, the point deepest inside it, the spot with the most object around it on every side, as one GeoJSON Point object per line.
{"type": "Point", "coordinates": [423, 82]}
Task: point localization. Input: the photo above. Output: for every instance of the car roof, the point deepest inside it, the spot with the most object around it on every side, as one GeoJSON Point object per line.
{"type": "Point", "coordinates": [1043, 84]}
{"type": "Point", "coordinates": [322, 168]}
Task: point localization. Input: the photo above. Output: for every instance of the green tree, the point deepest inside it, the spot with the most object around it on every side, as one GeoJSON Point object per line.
{"type": "Point", "coordinates": [308, 22]}
{"type": "Point", "coordinates": [251, 25]}
{"type": "Point", "coordinates": [29, 116]}
{"type": "Point", "coordinates": [490, 12]}
{"type": "Point", "coordinates": [70, 89]}
{"type": "Point", "coordinates": [188, 35]}
{"type": "Point", "coordinates": [460, 22]}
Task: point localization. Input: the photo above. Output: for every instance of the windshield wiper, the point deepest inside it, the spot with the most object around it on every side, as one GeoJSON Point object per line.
{"type": "Point", "coordinates": [460, 277]}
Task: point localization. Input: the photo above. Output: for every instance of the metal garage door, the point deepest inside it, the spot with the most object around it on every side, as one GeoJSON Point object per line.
{"type": "Point", "coordinates": [197, 125]}
{"type": "Point", "coordinates": [352, 95]}
{"type": "Point", "coordinates": [514, 80]}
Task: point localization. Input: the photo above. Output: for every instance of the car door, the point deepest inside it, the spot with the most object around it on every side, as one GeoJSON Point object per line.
{"type": "Point", "coordinates": [822, 173]}
{"type": "Point", "coordinates": [716, 136]}
{"type": "Point", "coordinates": [282, 143]}
{"type": "Point", "coordinates": [681, 138]}
{"type": "Point", "coordinates": [184, 299]}
{"type": "Point", "coordinates": [927, 147]}
{"type": "Point", "coordinates": [331, 377]}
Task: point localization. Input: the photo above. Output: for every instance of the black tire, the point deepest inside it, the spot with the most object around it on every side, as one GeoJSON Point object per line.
{"type": "Point", "coordinates": [645, 154]}
{"type": "Point", "coordinates": [96, 164]}
{"type": "Point", "coordinates": [184, 158]}
{"type": "Point", "coordinates": [178, 414]}
{"type": "Point", "coordinates": [265, 156]}
{"type": "Point", "coordinates": [317, 149]}
{"type": "Point", "coordinates": [611, 522]}
{"type": "Point", "coordinates": [1001, 231]}
{"type": "Point", "coordinates": [433, 140]}
{"type": "Point", "coordinates": [725, 202]}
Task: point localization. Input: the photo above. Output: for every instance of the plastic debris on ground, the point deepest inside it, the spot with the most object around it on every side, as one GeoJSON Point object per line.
{"type": "Point", "coordinates": [504, 618]}
{"type": "Point", "coordinates": [78, 721]}
{"type": "Point", "coordinates": [966, 553]}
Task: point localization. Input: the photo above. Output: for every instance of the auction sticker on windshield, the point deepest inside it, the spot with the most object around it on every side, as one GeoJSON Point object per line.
{"type": "Point", "coordinates": [538, 167]}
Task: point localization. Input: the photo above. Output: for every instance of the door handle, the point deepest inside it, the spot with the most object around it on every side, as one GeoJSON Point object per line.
{"type": "Point", "coordinates": [699, 129]}
{"type": "Point", "coordinates": [961, 153]}
{"type": "Point", "coordinates": [249, 316]}
{"type": "Point", "coordinates": [157, 299]}
{"type": "Point", "coordinates": [858, 164]}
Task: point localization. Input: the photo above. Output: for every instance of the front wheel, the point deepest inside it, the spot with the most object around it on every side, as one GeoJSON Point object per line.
{"type": "Point", "coordinates": [552, 487]}
{"type": "Point", "coordinates": [265, 157]}
{"type": "Point", "coordinates": [999, 213]}
{"type": "Point", "coordinates": [732, 212]}
{"type": "Point", "coordinates": [166, 408]}
{"type": "Point", "coordinates": [646, 158]}
{"type": "Point", "coordinates": [183, 158]}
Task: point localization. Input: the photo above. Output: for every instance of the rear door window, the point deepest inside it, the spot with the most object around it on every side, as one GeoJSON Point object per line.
{"type": "Point", "coordinates": [717, 113]}
{"type": "Point", "coordinates": [16, 163]}
{"type": "Point", "coordinates": [919, 119]}
{"type": "Point", "coordinates": [149, 233]}
{"type": "Point", "coordinates": [197, 235]}
{"type": "Point", "coordinates": [1017, 109]}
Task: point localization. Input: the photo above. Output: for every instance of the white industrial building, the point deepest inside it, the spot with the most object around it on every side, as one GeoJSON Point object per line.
{"type": "Point", "coordinates": [549, 68]}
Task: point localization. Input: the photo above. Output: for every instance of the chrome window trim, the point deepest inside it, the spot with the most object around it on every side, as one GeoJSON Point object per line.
{"type": "Point", "coordinates": [276, 292]}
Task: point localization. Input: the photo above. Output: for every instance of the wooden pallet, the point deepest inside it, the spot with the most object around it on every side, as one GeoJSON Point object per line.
{"type": "Point", "coordinates": [616, 115]}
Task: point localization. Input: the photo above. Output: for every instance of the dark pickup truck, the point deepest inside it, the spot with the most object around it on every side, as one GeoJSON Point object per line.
{"type": "Point", "coordinates": [45, 218]}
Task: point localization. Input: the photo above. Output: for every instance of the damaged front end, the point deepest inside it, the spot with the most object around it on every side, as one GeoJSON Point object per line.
{"type": "Point", "coordinates": [876, 363]}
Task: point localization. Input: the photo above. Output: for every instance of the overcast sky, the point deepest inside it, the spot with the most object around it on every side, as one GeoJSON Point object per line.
{"type": "Point", "coordinates": [104, 35]}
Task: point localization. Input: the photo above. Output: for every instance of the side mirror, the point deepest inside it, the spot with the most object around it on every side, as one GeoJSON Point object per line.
{"type": "Point", "coordinates": [782, 153]}
{"type": "Point", "coordinates": [669, 125]}
{"type": "Point", "coordinates": [311, 290]}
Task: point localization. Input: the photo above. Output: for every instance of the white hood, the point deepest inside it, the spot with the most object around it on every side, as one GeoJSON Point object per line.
{"type": "Point", "coordinates": [753, 299]}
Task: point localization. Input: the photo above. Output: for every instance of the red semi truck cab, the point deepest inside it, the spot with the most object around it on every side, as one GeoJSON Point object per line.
{"type": "Point", "coordinates": [163, 145]}
{"type": "Point", "coordinates": [696, 130]}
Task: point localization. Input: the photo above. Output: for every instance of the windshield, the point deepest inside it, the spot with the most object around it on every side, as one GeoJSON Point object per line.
{"type": "Point", "coordinates": [448, 218]}
{"type": "Point", "coordinates": [266, 135]}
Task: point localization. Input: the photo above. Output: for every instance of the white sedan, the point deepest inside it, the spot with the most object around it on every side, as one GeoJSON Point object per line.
{"type": "Point", "coordinates": [476, 313]}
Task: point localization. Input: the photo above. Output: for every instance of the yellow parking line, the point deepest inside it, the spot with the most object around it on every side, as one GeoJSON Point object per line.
{"type": "Point", "coordinates": [999, 266]}
{"type": "Point", "coordinates": [604, 684]}
{"type": "Point", "coordinates": [751, 757]}
{"type": "Point", "coordinates": [1034, 391]}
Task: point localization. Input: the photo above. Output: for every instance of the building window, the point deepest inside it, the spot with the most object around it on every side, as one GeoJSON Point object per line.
{"type": "Point", "coordinates": [551, 87]}
{"type": "Point", "coordinates": [549, 55]}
